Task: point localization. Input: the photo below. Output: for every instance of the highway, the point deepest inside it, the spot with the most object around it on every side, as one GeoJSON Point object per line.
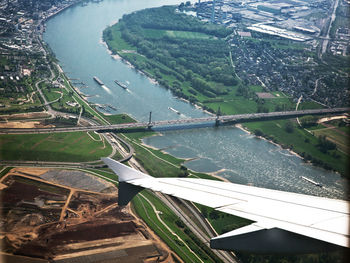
{"type": "Point", "coordinates": [214, 119]}
{"type": "Point", "coordinates": [332, 18]}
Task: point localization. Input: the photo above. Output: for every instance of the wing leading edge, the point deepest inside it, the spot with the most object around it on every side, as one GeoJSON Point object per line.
{"type": "Point", "coordinates": [283, 222]}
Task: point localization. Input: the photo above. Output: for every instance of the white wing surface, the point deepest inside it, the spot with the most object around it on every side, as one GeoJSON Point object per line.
{"type": "Point", "coordinates": [283, 221]}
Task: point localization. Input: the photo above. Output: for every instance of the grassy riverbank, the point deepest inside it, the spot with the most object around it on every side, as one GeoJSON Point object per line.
{"type": "Point", "coordinates": [307, 143]}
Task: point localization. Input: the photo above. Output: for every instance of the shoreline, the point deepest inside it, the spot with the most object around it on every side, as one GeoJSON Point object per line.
{"type": "Point", "coordinates": [240, 126]}
{"type": "Point", "coordinates": [213, 174]}
{"type": "Point", "coordinates": [59, 11]}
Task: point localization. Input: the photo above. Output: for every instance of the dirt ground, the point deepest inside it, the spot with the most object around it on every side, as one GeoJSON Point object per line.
{"type": "Point", "coordinates": [49, 220]}
{"type": "Point", "coordinates": [23, 124]}
{"type": "Point", "coordinates": [22, 120]}
{"type": "Point", "coordinates": [30, 115]}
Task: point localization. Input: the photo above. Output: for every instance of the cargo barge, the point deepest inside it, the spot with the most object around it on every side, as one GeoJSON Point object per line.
{"type": "Point", "coordinates": [98, 81]}
{"type": "Point", "coordinates": [121, 84]}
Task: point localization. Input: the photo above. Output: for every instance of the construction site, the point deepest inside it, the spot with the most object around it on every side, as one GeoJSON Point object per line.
{"type": "Point", "coordinates": [68, 216]}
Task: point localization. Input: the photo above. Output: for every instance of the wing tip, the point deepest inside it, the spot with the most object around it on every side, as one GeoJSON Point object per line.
{"type": "Point", "coordinates": [125, 173]}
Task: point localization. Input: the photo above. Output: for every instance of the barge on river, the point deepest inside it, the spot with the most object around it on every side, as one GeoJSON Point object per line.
{"type": "Point", "coordinates": [98, 81]}
{"type": "Point", "coordinates": [121, 84]}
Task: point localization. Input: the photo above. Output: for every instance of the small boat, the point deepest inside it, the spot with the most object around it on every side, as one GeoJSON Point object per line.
{"type": "Point", "coordinates": [311, 181]}
{"type": "Point", "coordinates": [176, 111]}
{"type": "Point", "coordinates": [121, 84]}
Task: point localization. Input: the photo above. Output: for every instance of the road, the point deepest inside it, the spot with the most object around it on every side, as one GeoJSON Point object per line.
{"type": "Point", "coordinates": [325, 41]}
{"type": "Point", "coordinates": [218, 120]}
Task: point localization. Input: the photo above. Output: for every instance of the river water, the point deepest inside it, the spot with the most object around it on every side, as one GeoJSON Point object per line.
{"type": "Point", "coordinates": [75, 36]}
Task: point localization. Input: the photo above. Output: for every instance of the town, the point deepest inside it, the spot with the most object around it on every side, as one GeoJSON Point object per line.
{"type": "Point", "coordinates": [295, 65]}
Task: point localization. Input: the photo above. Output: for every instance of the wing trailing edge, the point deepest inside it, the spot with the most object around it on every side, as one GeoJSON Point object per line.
{"type": "Point", "coordinates": [256, 239]}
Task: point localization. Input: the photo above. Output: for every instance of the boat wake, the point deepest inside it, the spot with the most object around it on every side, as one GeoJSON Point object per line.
{"type": "Point", "coordinates": [106, 89]}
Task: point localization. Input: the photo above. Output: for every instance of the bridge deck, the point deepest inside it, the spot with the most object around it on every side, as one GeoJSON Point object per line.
{"type": "Point", "coordinates": [214, 119]}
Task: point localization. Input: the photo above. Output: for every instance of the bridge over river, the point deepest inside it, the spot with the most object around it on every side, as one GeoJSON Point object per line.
{"type": "Point", "coordinates": [217, 120]}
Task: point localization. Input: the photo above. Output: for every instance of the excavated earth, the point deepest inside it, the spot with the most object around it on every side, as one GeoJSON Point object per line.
{"type": "Point", "coordinates": [70, 216]}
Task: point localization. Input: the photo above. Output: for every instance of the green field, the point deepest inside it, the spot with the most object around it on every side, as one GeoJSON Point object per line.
{"type": "Point", "coordinates": [115, 41]}
{"type": "Point", "coordinates": [52, 93]}
{"type": "Point", "coordinates": [103, 173]}
{"type": "Point", "coordinates": [60, 147]}
{"type": "Point", "coordinates": [157, 33]}
{"type": "Point", "coordinates": [302, 142]}
{"type": "Point", "coordinates": [118, 118]}
{"type": "Point", "coordinates": [336, 136]}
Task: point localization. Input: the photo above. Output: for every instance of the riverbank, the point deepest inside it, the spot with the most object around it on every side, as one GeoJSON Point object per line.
{"type": "Point", "coordinates": [68, 5]}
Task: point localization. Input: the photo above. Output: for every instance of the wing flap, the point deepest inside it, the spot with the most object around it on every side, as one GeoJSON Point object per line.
{"type": "Point", "coordinates": [268, 240]}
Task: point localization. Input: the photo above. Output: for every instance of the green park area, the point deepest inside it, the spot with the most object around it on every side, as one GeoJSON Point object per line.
{"type": "Point", "coordinates": [60, 147]}
{"type": "Point", "coordinates": [118, 118]}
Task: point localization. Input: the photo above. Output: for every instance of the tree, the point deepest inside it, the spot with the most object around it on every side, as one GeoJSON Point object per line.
{"type": "Point", "coordinates": [325, 145]}
{"type": "Point", "coordinates": [258, 132]}
{"type": "Point", "coordinates": [189, 75]}
{"type": "Point", "coordinates": [289, 127]}
{"type": "Point", "coordinates": [308, 121]}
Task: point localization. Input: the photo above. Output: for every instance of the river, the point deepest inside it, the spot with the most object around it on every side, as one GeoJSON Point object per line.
{"type": "Point", "coordinates": [75, 36]}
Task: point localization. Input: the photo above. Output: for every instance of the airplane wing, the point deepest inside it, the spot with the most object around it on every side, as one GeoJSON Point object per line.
{"type": "Point", "coordinates": [283, 222]}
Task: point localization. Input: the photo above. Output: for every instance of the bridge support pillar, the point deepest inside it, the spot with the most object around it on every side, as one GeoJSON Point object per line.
{"type": "Point", "coordinates": [217, 121]}
{"type": "Point", "coordinates": [149, 126]}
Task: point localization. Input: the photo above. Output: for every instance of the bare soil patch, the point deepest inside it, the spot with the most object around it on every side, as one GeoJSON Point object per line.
{"type": "Point", "coordinates": [39, 220]}
{"type": "Point", "coordinates": [265, 95]}
{"type": "Point", "coordinates": [30, 115]}
{"type": "Point", "coordinates": [24, 124]}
